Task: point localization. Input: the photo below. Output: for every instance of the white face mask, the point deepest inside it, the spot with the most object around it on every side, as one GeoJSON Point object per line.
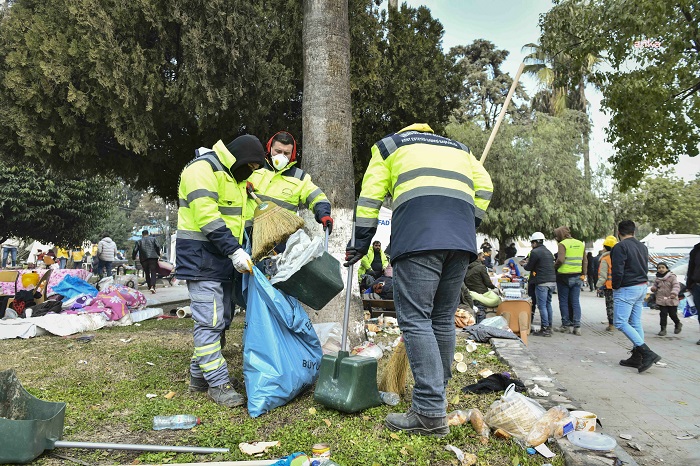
{"type": "Point", "coordinates": [279, 161]}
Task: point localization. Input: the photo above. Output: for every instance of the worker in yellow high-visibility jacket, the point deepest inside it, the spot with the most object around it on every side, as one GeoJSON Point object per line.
{"type": "Point", "coordinates": [211, 219]}
{"type": "Point", "coordinates": [440, 194]}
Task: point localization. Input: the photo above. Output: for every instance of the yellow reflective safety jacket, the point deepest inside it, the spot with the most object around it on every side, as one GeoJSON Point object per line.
{"type": "Point", "coordinates": [573, 260]}
{"type": "Point", "coordinates": [289, 188]}
{"type": "Point", "coordinates": [440, 193]}
{"type": "Point", "coordinates": [211, 216]}
{"type": "Point", "coordinates": [366, 262]}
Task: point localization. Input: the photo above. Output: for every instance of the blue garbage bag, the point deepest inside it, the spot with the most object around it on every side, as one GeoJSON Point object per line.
{"type": "Point", "coordinates": [72, 286]}
{"type": "Point", "coordinates": [282, 352]}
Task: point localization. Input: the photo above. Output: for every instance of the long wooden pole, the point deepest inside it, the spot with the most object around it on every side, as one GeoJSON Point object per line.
{"type": "Point", "coordinates": [503, 113]}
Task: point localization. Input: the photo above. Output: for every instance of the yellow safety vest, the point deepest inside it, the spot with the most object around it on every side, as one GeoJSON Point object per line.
{"type": "Point", "coordinates": [573, 262]}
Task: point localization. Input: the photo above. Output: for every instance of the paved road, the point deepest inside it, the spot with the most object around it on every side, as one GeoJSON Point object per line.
{"type": "Point", "coordinates": [654, 407]}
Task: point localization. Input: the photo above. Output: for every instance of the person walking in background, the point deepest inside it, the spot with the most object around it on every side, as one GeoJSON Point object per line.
{"type": "Point", "coordinates": [213, 208]}
{"type": "Point", "coordinates": [148, 251]}
{"type": "Point", "coordinates": [571, 266]}
{"type": "Point", "coordinates": [693, 276]}
{"type": "Point", "coordinates": [605, 279]}
{"type": "Point", "coordinates": [106, 253]}
{"type": "Point", "coordinates": [9, 250]}
{"type": "Point", "coordinates": [541, 266]}
{"type": "Point", "coordinates": [630, 260]}
{"type": "Point", "coordinates": [666, 287]}
{"type": "Point", "coordinates": [62, 256]}
{"type": "Point", "coordinates": [591, 271]}
{"type": "Point", "coordinates": [77, 254]}
{"type": "Point", "coordinates": [439, 199]}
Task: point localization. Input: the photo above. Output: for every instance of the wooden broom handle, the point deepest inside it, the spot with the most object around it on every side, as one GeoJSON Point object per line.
{"type": "Point", "coordinates": [503, 113]}
{"type": "Point", "coordinates": [249, 189]}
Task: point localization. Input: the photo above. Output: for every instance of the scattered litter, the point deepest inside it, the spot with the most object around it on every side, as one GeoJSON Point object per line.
{"type": "Point", "coordinates": [602, 352]}
{"type": "Point", "coordinates": [256, 448]}
{"type": "Point", "coordinates": [680, 402]}
{"type": "Point", "coordinates": [126, 340]}
{"type": "Point", "coordinates": [454, 400]}
{"type": "Point", "coordinates": [82, 361]}
{"type": "Point", "coordinates": [150, 363]}
{"type": "Point", "coordinates": [586, 360]}
{"type": "Point", "coordinates": [660, 364]}
{"type": "Point", "coordinates": [490, 353]}
{"type": "Point", "coordinates": [459, 357]}
{"type": "Point", "coordinates": [85, 338]}
{"type": "Point", "coordinates": [686, 437]}
{"type": "Point", "coordinates": [151, 395]}
{"type": "Point", "coordinates": [544, 450]}
{"type": "Point", "coordinates": [169, 395]}
{"type": "Point", "coordinates": [456, 451]}
{"type": "Point", "coordinates": [462, 367]}
{"type": "Point", "coordinates": [541, 378]}
{"type": "Point", "coordinates": [312, 411]}
{"type": "Point", "coordinates": [471, 347]}
{"type": "Point", "coordinates": [475, 363]}
{"type": "Point", "coordinates": [552, 372]}
{"type": "Point", "coordinates": [465, 459]}
{"type": "Point", "coordinates": [626, 436]}
{"type": "Point", "coordinates": [483, 373]}
{"type": "Point", "coordinates": [137, 325]}
{"type": "Point", "coordinates": [537, 391]}
{"type": "Point", "coordinates": [530, 451]}
{"type": "Point", "coordinates": [636, 446]}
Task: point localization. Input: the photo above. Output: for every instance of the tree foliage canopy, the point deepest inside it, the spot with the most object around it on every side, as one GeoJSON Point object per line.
{"type": "Point", "coordinates": [653, 89]}
{"type": "Point", "coordinates": [50, 208]}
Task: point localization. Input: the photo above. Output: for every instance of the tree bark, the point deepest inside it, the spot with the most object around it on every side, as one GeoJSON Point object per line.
{"type": "Point", "coordinates": [327, 126]}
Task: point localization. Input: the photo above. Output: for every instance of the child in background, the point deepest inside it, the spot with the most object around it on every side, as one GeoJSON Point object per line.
{"type": "Point", "coordinates": [666, 287]}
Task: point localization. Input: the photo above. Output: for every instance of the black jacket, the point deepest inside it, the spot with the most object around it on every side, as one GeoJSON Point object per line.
{"type": "Point", "coordinates": [693, 275]}
{"type": "Point", "coordinates": [630, 263]}
{"type": "Point", "coordinates": [477, 278]}
{"type": "Point", "coordinates": [541, 266]}
{"type": "Point", "coordinates": [146, 248]}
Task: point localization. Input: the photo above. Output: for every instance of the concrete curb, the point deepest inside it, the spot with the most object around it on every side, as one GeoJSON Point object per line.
{"type": "Point", "coordinates": [527, 368]}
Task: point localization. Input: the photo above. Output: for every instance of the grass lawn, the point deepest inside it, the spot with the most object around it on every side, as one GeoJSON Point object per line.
{"type": "Point", "coordinates": [107, 402]}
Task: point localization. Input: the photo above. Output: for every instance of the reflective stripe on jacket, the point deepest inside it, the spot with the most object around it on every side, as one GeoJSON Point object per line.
{"type": "Point", "coordinates": [605, 271]}
{"type": "Point", "coordinates": [289, 188]}
{"type": "Point", "coordinates": [573, 261]}
{"type": "Point", "coordinates": [210, 218]}
{"type": "Point", "coordinates": [440, 193]}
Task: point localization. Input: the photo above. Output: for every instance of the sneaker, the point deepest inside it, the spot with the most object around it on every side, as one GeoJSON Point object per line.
{"type": "Point", "coordinates": [543, 332]}
{"type": "Point", "coordinates": [413, 423]}
{"type": "Point", "coordinates": [153, 290]}
{"type": "Point", "coordinates": [610, 327]}
{"type": "Point", "coordinates": [226, 396]}
{"type": "Point", "coordinates": [563, 329]}
{"type": "Point", "coordinates": [679, 327]}
{"type": "Point", "coordinates": [662, 333]}
{"type": "Point", "coordinates": [577, 331]}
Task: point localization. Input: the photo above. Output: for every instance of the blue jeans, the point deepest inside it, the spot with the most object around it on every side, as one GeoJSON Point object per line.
{"type": "Point", "coordinates": [62, 262]}
{"type": "Point", "coordinates": [569, 285]}
{"type": "Point", "coordinates": [102, 265]}
{"type": "Point", "coordinates": [426, 293]}
{"type": "Point", "coordinates": [628, 312]}
{"type": "Point", "coordinates": [544, 303]}
{"type": "Point", "coordinates": [12, 252]}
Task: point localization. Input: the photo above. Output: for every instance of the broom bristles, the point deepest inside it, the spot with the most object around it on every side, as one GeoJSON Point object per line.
{"type": "Point", "coordinates": [394, 375]}
{"type": "Point", "coordinates": [272, 226]}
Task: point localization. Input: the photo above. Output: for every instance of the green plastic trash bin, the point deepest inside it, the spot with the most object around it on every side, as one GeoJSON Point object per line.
{"type": "Point", "coordinates": [316, 283]}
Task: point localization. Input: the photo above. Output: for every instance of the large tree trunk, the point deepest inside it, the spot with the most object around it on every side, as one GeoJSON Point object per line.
{"type": "Point", "coordinates": [327, 128]}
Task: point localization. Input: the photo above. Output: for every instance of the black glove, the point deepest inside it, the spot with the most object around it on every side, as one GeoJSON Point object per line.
{"type": "Point", "coordinates": [352, 255]}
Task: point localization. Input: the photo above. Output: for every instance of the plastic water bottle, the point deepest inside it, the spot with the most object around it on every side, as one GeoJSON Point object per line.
{"type": "Point", "coordinates": [179, 421]}
{"type": "Point", "coordinates": [389, 398]}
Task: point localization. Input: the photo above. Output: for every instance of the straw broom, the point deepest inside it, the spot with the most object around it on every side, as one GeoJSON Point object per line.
{"type": "Point", "coordinates": [394, 376]}
{"type": "Point", "coordinates": [272, 225]}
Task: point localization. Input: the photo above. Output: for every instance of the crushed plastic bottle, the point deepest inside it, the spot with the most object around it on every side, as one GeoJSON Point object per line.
{"type": "Point", "coordinates": [390, 398]}
{"type": "Point", "coordinates": [179, 421]}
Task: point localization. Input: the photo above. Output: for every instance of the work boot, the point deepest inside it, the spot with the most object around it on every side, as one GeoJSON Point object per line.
{"type": "Point", "coordinates": [577, 331]}
{"type": "Point", "coordinates": [678, 328]}
{"type": "Point", "coordinates": [199, 384]}
{"type": "Point", "coordinates": [648, 358]}
{"type": "Point", "coordinates": [610, 327]}
{"type": "Point", "coordinates": [562, 329]}
{"type": "Point", "coordinates": [413, 423]}
{"type": "Point", "coordinates": [225, 395]}
{"type": "Point", "coordinates": [662, 333]}
{"type": "Point", "coordinates": [547, 332]}
{"type": "Point", "coordinates": [635, 360]}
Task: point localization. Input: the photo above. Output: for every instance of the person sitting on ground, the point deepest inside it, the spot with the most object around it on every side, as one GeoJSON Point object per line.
{"type": "Point", "coordinates": [373, 263]}
{"type": "Point", "coordinates": [477, 278]}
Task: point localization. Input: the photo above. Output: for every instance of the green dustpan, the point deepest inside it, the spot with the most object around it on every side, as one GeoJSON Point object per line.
{"type": "Point", "coordinates": [347, 383]}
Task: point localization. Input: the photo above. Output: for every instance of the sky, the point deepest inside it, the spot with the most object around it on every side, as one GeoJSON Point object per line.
{"type": "Point", "coordinates": [510, 24]}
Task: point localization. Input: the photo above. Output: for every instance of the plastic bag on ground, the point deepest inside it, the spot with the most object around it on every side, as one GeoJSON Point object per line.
{"type": "Point", "coordinates": [282, 352]}
{"type": "Point", "coordinates": [514, 413]}
{"type": "Point", "coordinates": [369, 350]}
{"type": "Point", "coordinates": [545, 426]}
{"type": "Point", "coordinates": [301, 250]}
{"type": "Point", "coordinates": [329, 334]}
{"type": "Point", "coordinates": [496, 321]}
{"type": "Point", "coordinates": [458, 417]}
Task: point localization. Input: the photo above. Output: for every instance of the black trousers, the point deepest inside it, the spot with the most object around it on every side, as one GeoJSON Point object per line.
{"type": "Point", "coordinates": [668, 311]}
{"type": "Point", "coordinates": [150, 271]}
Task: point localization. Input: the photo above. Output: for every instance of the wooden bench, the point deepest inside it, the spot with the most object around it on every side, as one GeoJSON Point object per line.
{"type": "Point", "coordinates": [376, 307]}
